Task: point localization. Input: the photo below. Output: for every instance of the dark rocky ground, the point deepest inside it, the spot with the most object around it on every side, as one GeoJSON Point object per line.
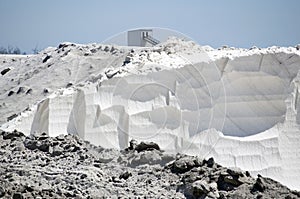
{"type": "Point", "coordinates": [66, 166]}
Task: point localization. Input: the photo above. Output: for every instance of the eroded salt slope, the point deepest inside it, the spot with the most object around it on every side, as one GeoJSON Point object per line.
{"type": "Point", "coordinates": [239, 106]}
{"type": "Point", "coordinates": [31, 78]}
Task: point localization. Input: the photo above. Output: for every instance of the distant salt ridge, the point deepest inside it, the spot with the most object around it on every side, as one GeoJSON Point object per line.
{"type": "Point", "coordinates": [239, 106]}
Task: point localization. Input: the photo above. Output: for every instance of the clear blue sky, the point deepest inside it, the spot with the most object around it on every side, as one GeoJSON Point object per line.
{"type": "Point", "coordinates": [239, 23]}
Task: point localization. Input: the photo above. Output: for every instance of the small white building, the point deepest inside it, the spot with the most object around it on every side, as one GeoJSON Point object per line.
{"type": "Point", "coordinates": [141, 37]}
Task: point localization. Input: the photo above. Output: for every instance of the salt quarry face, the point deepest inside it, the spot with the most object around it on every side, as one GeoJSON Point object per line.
{"type": "Point", "coordinates": [239, 106]}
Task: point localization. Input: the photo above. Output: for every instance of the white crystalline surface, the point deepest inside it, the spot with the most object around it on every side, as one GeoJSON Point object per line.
{"type": "Point", "coordinates": [236, 105]}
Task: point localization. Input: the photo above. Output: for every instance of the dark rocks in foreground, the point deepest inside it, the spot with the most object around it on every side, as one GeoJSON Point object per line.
{"type": "Point", "coordinates": [4, 71]}
{"type": "Point", "coordinates": [66, 166]}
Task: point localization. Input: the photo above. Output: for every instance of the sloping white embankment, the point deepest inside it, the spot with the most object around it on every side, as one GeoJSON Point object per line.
{"type": "Point", "coordinates": [241, 108]}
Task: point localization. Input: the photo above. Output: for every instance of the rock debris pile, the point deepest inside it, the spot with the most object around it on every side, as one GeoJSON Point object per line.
{"type": "Point", "coordinates": [66, 166]}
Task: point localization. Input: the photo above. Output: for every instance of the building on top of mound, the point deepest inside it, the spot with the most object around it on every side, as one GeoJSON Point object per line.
{"type": "Point", "coordinates": [141, 37]}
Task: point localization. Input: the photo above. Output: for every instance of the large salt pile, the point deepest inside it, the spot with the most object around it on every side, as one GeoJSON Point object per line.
{"type": "Point", "coordinates": [236, 105]}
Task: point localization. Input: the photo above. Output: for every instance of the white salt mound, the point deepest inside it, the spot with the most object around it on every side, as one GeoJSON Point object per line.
{"type": "Point", "coordinates": [239, 106]}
